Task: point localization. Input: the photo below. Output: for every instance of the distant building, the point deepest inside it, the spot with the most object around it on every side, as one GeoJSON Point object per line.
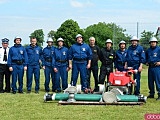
{"type": "Point", "coordinates": [158, 32]}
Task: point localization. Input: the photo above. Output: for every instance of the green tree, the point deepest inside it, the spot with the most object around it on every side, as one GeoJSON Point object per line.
{"type": "Point", "coordinates": [118, 34]}
{"type": "Point", "coordinates": [103, 31]}
{"type": "Point", "coordinates": [100, 31]}
{"type": "Point", "coordinates": [39, 35]}
{"type": "Point", "coordinates": [68, 30]}
{"type": "Point", "coordinates": [25, 45]}
{"type": "Point", "coordinates": [145, 36]}
{"type": "Point", "coordinates": [52, 34]}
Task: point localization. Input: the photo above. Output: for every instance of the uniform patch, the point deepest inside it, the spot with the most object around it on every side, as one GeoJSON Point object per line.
{"type": "Point", "coordinates": [21, 51]}
{"type": "Point", "coordinates": [111, 57]}
{"type": "Point", "coordinates": [95, 51]}
{"type": "Point", "coordinates": [37, 52]}
{"type": "Point", "coordinates": [64, 53]}
{"type": "Point", "coordinates": [154, 54]}
{"type": "Point", "coordinates": [83, 49]}
{"type": "Point", "coordinates": [135, 52]}
{"type": "Point", "coordinates": [52, 52]}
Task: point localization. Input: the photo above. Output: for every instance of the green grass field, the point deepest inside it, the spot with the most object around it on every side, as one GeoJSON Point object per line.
{"type": "Point", "coordinates": [31, 106]}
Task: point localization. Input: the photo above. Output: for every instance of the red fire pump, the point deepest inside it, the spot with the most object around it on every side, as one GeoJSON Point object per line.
{"type": "Point", "coordinates": [122, 80]}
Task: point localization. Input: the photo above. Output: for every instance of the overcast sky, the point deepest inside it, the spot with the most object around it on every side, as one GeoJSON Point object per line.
{"type": "Point", "coordinates": [22, 17]}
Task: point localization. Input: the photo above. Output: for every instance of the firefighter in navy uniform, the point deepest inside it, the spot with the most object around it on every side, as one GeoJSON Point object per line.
{"type": "Point", "coordinates": [61, 66]}
{"type": "Point", "coordinates": [94, 63]}
{"type": "Point", "coordinates": [34, 53]}
{"type": "Point", "coordinates": [135, 58]}
{"type": "Point", "coordinates": [48, 59]}
{"type": "Point", "coordinates": [120, 57]}
{"type": "Point", "coordinates": [17, 62]}
{"type": "Point", "coordinates": [79, 56]}
{"type": "Point", "coordinates": [153, 60]}
{"type": "Point", "coordinates": [4, 69]}
{"type": "Point", "coordinates": [107, 56]}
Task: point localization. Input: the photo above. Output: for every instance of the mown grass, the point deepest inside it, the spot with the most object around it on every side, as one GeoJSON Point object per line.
{"type": "Point", "coordinates": [31, 106]}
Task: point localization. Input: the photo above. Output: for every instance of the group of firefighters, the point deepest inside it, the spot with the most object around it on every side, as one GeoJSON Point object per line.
{"type": "Point", "coordinates": [80, 58]}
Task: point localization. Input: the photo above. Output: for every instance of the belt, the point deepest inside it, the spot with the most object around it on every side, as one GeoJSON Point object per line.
{"type": "Point", "coordinates": [48, 60]}
{"type": "Point", "coordinates": [152, 64]}
{"type": "Point", "coordinates": [18, 62]}
{"type": "Point", "coordinates": [108, 62]}
{"type": "Point", "coordinates": [121, 63]}
{"type": "Point", "coordinates": [61, 61]}
{"type": "Point", "coordinates": [80, 59]}
{"type": "Point", "coordinates": [134, 62]}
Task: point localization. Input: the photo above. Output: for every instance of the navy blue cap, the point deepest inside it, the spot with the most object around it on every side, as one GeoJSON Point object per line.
{"type": "Point", "coordinates": [5, 40]}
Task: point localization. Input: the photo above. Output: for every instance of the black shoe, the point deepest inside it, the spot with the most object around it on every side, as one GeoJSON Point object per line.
{"type": "Point", "coordinates": [13, 92]}
{"type": "Point", "coordinates": [53, 90]}
{"type": "Point", "coordinates": [158, 99]}
{"type": "Point", "coordinates": [2, 91]}
{"type": "Point", "coordinates": [136, 94]}
{"type": "Point", "coordinates": [96, 90]}
{"type": "Point", "coordinates": [21, 92]}
{"type": "Point", "coordinates": [47, 90]}
{"type": "Point", "coordinates": [37, 92]}
{"type": "Point", "coordinates": [7, 91]}
{"type": "Point", "coordinates": [28, 91]}
{"type": "Point", "coordinates": [150, 96]}
{"type": "Point", "coordinates": [58, 91]}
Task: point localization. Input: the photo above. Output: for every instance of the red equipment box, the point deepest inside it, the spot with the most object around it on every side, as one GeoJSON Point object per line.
{"type": "Point", "coordinates": [120, 78]}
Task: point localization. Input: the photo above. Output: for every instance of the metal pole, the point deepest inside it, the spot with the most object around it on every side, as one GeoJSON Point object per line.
{"type": "Point", "coordinates": [137, 28]}
{"type": "Point", "coordinates": [113, 34]}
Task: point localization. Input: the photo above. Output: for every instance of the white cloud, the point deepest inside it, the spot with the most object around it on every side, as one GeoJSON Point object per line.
{"type": "Point", "coordinates": [77, 4]}
{"type": "Point", "coordinates": [3, 1]}
{"type": "Point", "coordinates": [156, 1]}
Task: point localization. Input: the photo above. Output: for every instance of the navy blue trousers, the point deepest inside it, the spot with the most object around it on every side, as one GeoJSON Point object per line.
{"type": "Point", "coordinates": [76, 69]}
{"type": "Point", "coordinates": [154, 77]}
{"type": "Point", "coordinates": [17, 74]}
{"type": "Point", "coordinates": [63, 75]}
{"type": "Point", "coordinates": [49, 74]}
{"type": "Point", "coordinates": [33, 70]}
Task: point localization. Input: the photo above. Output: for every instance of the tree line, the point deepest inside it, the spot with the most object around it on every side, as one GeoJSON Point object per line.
{"type": "Point", "coordinates": [101, 31]}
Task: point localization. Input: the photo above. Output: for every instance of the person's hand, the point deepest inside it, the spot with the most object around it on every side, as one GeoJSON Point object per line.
{"type": "Point", "coordinates": [55, 70]}
{"type": "Point", "coordinates": [88, 66]}
{"type": "Point", "coordinates": [157, 64]}
{"type": "Point", "coordinates": [116, 70]}
{"type": "Point", "coordinates": [67, 69]}
{"type": "Point", "coordinates": [125, 67]}
{"type": "Point", "coordinates": [25, 68]}
{"type": "Point", "coordinates": [70, 66]}
{"type": "Point", "coordinates": [140, 69]}
{"type": "Point", "coordinates": [43, 67]}
{"type": "Point", "coordinates": [10, 69]}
